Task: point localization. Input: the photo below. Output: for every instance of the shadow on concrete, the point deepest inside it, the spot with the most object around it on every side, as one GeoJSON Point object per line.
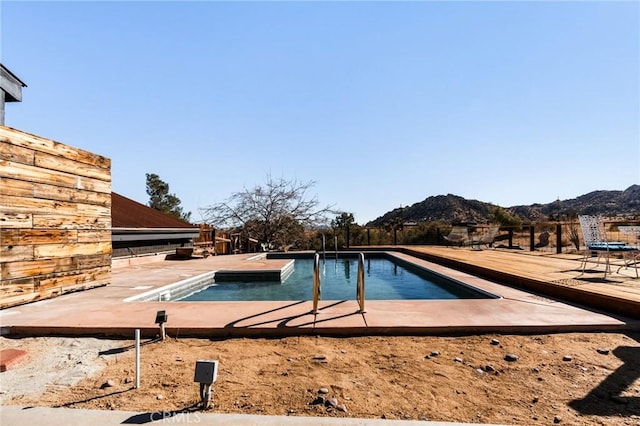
{"type": "Point", "coordinates": [186, 415]}
{"type": "Point", "coordinates": [315, 316]}
{"type": "Point", "coordinates": [234, 324]}
{"type": "Point", "coordinates": [284, 321]}
{"type": "Point", "coordinates": [607, 398]}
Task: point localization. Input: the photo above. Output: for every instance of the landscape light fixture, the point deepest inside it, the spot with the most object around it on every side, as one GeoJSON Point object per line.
{"type": "Point", "coordinates": [161, 318]}
{"type": "Point", "coordinates": [206, 373]}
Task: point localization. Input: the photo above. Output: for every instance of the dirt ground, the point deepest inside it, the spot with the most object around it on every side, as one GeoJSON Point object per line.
{"type": "Point", "coordinates": [573, 379]}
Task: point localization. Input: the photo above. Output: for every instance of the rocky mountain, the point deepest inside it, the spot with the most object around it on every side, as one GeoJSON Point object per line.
{"type": "Point", "coordinates": [455, 209]}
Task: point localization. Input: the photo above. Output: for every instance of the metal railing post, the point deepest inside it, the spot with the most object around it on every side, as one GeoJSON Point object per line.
{"type": "Point", "coordinates": [360, 288]}
{"type": "Point", "coordinates": [532, 238]}
{"type": "Point", "coordinates": [316, 283]}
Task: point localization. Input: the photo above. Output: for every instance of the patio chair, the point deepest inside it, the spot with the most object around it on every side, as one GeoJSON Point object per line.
{"type": "Point", "coordinates": [459, 235]}
{"type": "Point", "coordinates": [595, 241]}
{"type": "Point", "coordinates": [632, 232]}
{"type": "Point", "coordinates": [487, 238]}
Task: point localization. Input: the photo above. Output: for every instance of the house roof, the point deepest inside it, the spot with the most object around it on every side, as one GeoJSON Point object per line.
{"type": "Point", "coordinates": [126, 213]}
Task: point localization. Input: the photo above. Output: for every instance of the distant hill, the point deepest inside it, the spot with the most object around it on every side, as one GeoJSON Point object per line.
{"type": "Point", "coordinates": [455, 209]}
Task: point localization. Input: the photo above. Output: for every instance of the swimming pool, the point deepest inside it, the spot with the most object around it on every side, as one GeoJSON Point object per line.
{"type": "Point", "coordinates": [385, 279]}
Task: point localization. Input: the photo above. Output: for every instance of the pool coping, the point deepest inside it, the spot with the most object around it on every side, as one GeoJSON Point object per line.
{"type": "Point", "coordinates": [181, 289]}
{"type": "Point", "coordinates": [101, 311]}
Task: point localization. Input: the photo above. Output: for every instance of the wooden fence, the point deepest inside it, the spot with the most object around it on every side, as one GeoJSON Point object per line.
{"type": "Point", "coordinates": [55, 218]}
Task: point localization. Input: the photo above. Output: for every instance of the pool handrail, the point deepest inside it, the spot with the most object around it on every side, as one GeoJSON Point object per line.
{"type": "Point", "coordinates": [316, 282]}
{"type": "Point", "coordinates": [360, 284]}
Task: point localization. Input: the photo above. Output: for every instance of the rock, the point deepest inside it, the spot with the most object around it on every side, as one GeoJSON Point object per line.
{"type": "Point", "coordinates": [511, 357]}
{"type": "Point", "coordinates": [290, 411]}
{"type": "Point", "coordinates": [435, 353]}
{"type": "Point", "coordinates": [489, 368]}
{"type": "Point", "coordinates": [535, 400]}
{"type": "Point", "coordinates": [128, 380]}
{"type": "Point", "coordinates": [603, 351]}
{"type": "Point", "coordinates": [159, 397]}
{"type": "Point", "coordinates": [319, 358]}
{"type": "Point", "coordinates": [535, 370]}
{"type": "Point", "coordinates": [495, 342]}
{"type": "Point", "coordinates": [323, 390]}
{"type": "Point", "coordinates": [332, 402]}
{"type": "Point", "coordinates": [557, 419]}
{"type": "Point", "coordinates": [480, 371]}
{"type": "Point", "coordinates": [457, 359]}
{"type": "Point", "coordinates": [342, 408]}
{"type": "Point", "coordinates": [320, 400]}
{"type": "Point", "coordinates": [108, 384]}
{"type": "Point", "coordinates": [567, 358]}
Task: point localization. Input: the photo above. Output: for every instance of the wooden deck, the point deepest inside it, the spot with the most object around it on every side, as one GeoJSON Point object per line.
{"type": "Point", "coordinates": [556, 275]}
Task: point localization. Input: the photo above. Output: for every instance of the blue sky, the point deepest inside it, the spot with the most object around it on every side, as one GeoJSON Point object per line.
{"type": "Point", "coordinates": [382, 104]}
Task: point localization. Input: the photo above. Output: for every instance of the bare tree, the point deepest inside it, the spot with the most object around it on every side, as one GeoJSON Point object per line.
{"type": "Point", "coordinates": [276, 212]}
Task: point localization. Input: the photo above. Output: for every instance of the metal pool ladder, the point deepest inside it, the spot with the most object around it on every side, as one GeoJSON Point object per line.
{"type": "Point", "coordinates": [316, 282]}
{"type": "Point", "coordinates": [360, 288]}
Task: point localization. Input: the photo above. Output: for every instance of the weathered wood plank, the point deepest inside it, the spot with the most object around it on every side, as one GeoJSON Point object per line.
{"type": "Point", "coordinates": [35, 268]}
{"type": "Point", "coordinates": [67, 250]}
{"type": "Point", "coordinates": [26, 281]}
{"type": "Point", "coordinates": [15, 253]}
{"type": "Point", "coordinates": [13, 204]}
{"type": "Point", "coordinates": [29, 173]}
{"type": "Point", "coordinates": [85, 278]}
{"type": "Point", "coordinates": [90, 184]}
{"type": "Point", "coordinates": [93, 236]}
{"type": "Point", "coordinates": [41, 144]}
{"type": "Point", "coordinates": [93, 210]}
{"type": "Point", "coordinates": [20, 237]}
{"type": "Point", "coordinates": [15, 220]}
{"type": "Point", "coordinates": [13, 300]}
{"type": "Point", "coordinates": [71, 222]}
{"type": "Point", "coordinates": [93, 261]}
{"type": "Point", "coordinates": [9, 169]}
{"type": "Point", "coordinates": [16, 154]}
{"type": "Point", "coordinates": [61, 164]}
{"type": "Point", "coordinates": [22, 188]}
{"type": "Point", "coordinates": [7, 290]}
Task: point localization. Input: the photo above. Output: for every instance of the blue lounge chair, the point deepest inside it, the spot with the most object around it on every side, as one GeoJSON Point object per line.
{"type": "Point", "coordinates": [595, 241]}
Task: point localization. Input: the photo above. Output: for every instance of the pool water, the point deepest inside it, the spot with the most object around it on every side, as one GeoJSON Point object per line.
{"type": "Point", "coordinates": [384, 280]}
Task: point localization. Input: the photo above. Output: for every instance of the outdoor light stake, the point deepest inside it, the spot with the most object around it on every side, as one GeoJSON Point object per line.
{"type": "Point", "coordinates": [161, 318]}
{"type": "Point", "coordinates": [206, 373]}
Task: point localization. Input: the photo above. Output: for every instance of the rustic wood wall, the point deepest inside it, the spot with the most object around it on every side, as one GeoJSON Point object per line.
{"type": "Point", "coordinates": [55, 218]}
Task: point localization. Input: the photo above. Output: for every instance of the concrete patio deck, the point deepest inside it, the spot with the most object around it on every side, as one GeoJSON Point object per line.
{"type": "Point", "coordinates": [102, 311]}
